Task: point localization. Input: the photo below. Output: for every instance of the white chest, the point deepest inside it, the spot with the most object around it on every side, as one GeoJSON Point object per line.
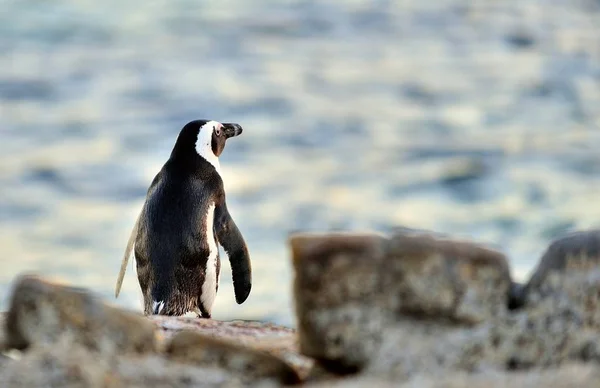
{"type": "Point", "coordinates": [209, 287]}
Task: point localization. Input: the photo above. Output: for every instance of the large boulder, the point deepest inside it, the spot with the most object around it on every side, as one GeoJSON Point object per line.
{"type": "Point", "coordinates": [420, 302]}
{"type": "Point", "coordinates": [337, 289]}
{"type": "Point", "coordinates": [436, 276]}
{"type": "Point", "coordinates": [42, 312]}
{"type": "Point", "coordinates": [568, 277]}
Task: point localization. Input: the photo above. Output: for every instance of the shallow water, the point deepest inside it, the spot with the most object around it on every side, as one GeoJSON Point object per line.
{"type": "Point", "coordinates": [462, 117]}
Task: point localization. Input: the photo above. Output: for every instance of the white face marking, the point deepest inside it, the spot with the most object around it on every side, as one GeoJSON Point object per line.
{"type": "Point", "coordinates": [160, 305]}
{"type": "Point", "coordinates": [204, 144]}
{"type": "Point", "coordinates": [209, 287]}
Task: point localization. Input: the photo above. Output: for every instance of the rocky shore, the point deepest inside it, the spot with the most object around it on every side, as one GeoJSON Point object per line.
{"type": "Point", "coordinates": [414, 308]}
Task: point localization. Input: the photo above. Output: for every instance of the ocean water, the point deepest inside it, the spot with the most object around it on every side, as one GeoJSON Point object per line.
{"type": "Point", "coordinates": [479, 119]}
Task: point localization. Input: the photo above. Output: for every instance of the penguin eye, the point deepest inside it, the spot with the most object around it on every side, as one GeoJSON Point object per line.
{"type": "Point", "coordinates": [217, 131]}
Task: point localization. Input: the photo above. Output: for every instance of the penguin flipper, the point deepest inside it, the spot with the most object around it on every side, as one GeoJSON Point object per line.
{"type": "Point", "coordinates": [132, 237]}
{"type": "Point", "coordinates": [126, 256]}
{"type": "Point", "coordinates": [232, 241]}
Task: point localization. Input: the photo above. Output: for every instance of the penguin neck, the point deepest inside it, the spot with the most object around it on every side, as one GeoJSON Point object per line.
{"type": "Point", "coordinates": [213, 160]}
{"type": "Point", "coordinates": [190, 158]}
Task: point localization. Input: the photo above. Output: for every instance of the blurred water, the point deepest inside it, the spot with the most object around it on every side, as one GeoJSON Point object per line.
{"type": "Point", "coordinates": [478, 119]}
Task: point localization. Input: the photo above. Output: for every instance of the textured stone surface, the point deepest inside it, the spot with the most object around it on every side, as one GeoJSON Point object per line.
{"type": "Point", "coordinates": [347, 284]}
{"type": "Point", "coordinates": [569, 376]}
{"type": "Point", "coordinates": [277, 340]}
{"type": "Point", "coordinates": [249, 363]}
{"type": "Point", "coordinates": [42, 312]}
{"type": "Point", "coordinates": [4, 360]}
{"type": "Point", "coordinates": [434, 284]}
{"type": "Point", "coordinates": [427, 274]}
{"type": "Point", "coordinates": [156, 372]}
{"type": "Point", "coordinates": [64, 362]}
{"type": "Point", "coordinates": [561, 327]}
{"type": "Point", "coordinates": [67, 365]}
{"type": "Point", "coordinates": [3, 340]}
{"type": "Point", "coordinates": [569, 274]}
{"type": "Point", "coordinates": [519, 342]}
{"type": "Point", "coordinates": [337, 287]}
{"type": "Point", "coordinates": [576, 252]}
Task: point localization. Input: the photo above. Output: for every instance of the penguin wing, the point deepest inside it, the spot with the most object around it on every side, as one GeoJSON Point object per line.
{"type": "Point", "coordinates": [233, 243]}
{"type": "Point", "coordinates": [132, 238]}
{"type": "Point", "coordinates": [126, 256]}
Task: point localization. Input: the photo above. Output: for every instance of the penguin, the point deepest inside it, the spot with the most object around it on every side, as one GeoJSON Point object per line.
{"type": "Point", "coordinates": [174, 239]}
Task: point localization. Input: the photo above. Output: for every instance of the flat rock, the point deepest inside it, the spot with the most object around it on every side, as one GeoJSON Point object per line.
{"type": "Point", "coordinates": [277, 340]}
{"type": "Point", "coordinates": [431, 275]}
{"type": "Point", "coordinates": [337, 293]}
{"type": "Point", "coordinates": [42, 312]}
{"type": "Point", "coordinates": [262, 335]}
{"type": "Point", "coordinates": [249, 363]}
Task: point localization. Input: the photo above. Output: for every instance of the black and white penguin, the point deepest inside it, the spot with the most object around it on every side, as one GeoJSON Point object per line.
{"type": "Point", "coordinates": [174, 240]}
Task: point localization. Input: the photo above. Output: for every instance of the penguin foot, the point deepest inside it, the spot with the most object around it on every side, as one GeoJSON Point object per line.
{"type": "Point", "coordinates": [202, 314]}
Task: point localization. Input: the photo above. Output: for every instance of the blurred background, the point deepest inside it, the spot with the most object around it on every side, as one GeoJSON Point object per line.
{"type": "Point", "coordinates": [475, 118]}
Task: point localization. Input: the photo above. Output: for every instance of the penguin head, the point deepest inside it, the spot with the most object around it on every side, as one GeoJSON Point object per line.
{"type": "Point", "coordinates": [206, 138]}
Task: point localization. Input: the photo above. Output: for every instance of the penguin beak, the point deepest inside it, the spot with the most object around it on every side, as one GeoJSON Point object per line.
{"type": "Point", "coordinates": [231, 129]}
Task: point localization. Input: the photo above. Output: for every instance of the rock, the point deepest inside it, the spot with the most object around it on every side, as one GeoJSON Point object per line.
{"type": "Point", "coordinates": [569, 376]}
{"type": "Point", "coordinates": [42, 312]}
{"type": "Point", "coordinates": [3, 341]}
{"type": "Point", "coordinates": [346, 285]}
{"type": "Point", "coordinates": [261, 335]}
{"type": "Point", "coordinates": [277, 340]}
{"type": "Point", "coordinates": [576, 252]}
{"type": "Point", "coordinates": [154, 371]}
{"type": "Point", "coordinates": [63, 364]}
{"type": "Point", "coordinates": [4, 360]}
{"type": "Point", "coordinates": [250, 364]}
{"type": "Point", "coordinates": [428, 275]}
{"type": "Point", "coordinates": [550, 332]}
{"type": "Point", "coordinates": [337, 291]}
{"type": "Point", "coordinates": [569, 275]}
{"type": "Point", "coordinates": [412, 346]}
{"type": "Point", "coordinates": [449, 300]}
